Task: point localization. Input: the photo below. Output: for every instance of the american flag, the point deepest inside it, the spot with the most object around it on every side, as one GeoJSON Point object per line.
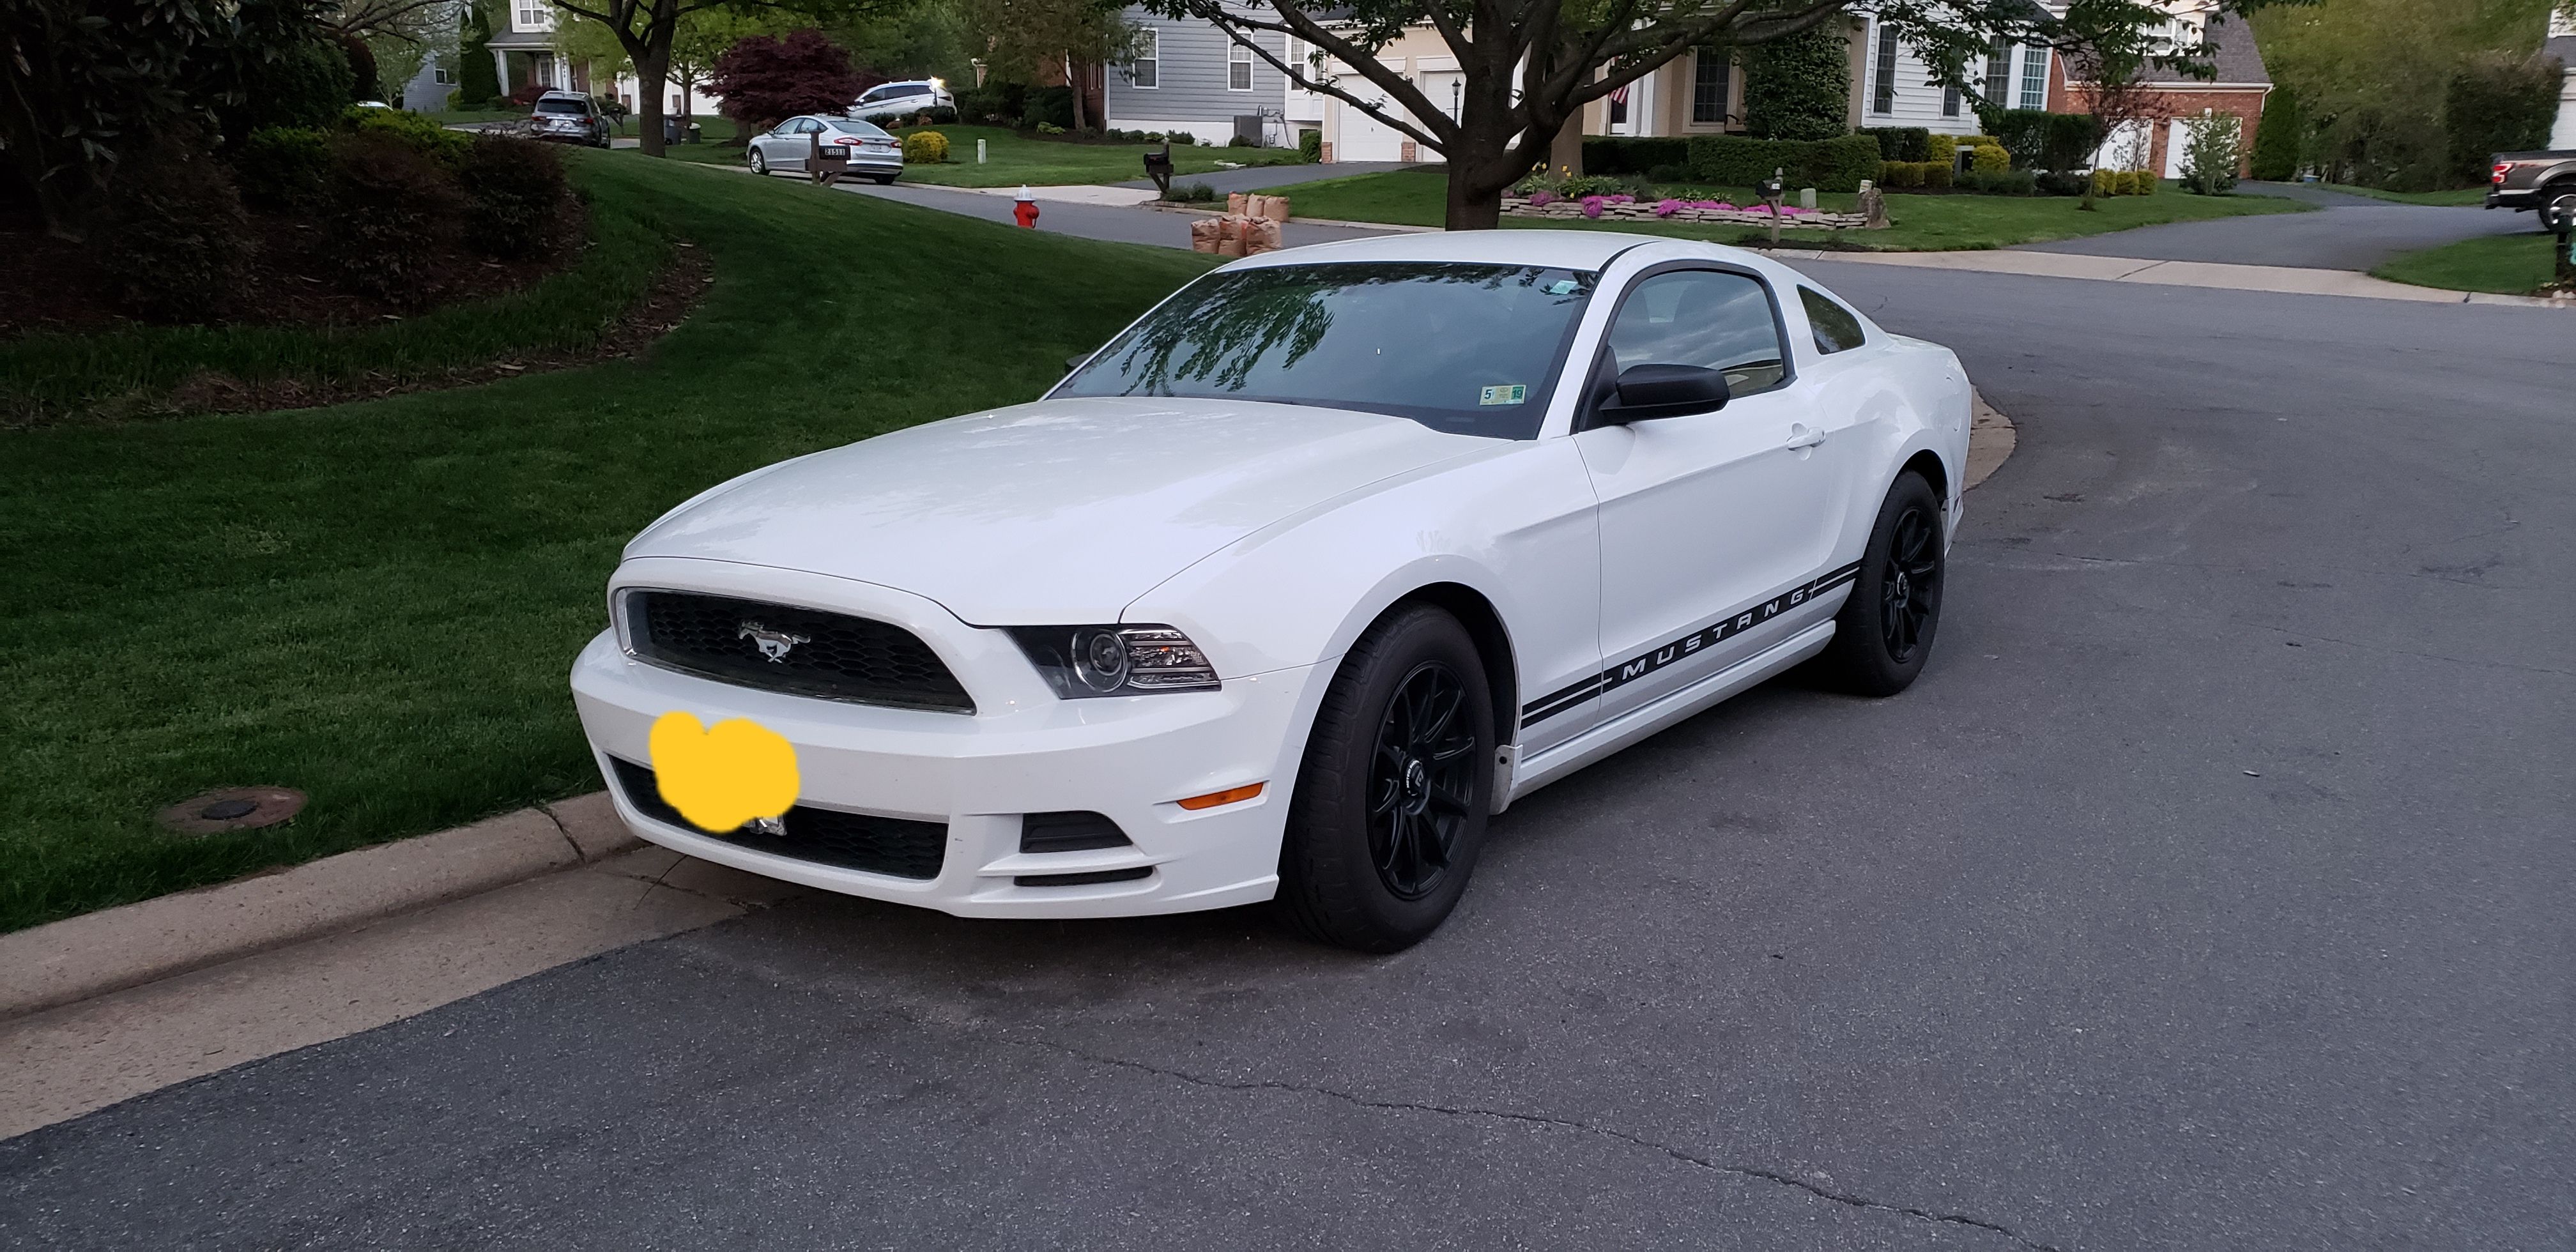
{"type": "Point", "coordinates": [1619, 94]}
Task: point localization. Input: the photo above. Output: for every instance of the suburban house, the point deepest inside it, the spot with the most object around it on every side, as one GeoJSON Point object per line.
{"type": "Point", "coordinates": [2237, 92]}
{"type": "Point", "coordinates": [2562, 45]}
{"type": "Point", "coordinates": [524, 54]}
{"type": "Point", "coordinates": [1188, 78]}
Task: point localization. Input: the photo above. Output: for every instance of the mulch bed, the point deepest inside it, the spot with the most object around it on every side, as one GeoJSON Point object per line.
{"type": "Point", "coordinates": [49, 284]}
{"type": "Point", "coordinates": [658, 312]}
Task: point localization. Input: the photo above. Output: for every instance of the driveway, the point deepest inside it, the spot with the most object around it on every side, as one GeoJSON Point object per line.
{"type": "Point", "coordinates": [2209, 891]}
{"type": "Point", "coordinates": [2345, 233]}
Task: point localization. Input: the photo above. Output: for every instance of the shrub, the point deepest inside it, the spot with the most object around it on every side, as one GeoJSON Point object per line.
{"type": "Point", "coordinates": [308, 84]}
{"type": "Point", "coordinates": [1938, 175]}
{"type": "Point", "coordinates": [514, 197]}
{"type": "Point", "coordinates": [2005, 182]}
{"type": "Point", "coordinates": [478, 82]}
{"type": "Point", "coordinates": [2276, 138]}
{"type": "Point", "coordinates": [1193, 193]}
{"type": "Point", "coordinates": [1668, 174]}
{"type": "Point", "coordinates": [998, 103]}
{"type": "Point", "coordinates": [2062, 183]}
{"type": "Point", "coordinates": [925, 147]}
{"type": "Point", "coordinates": [1048, 128]}
{"type": "Point", "coordinates": [766, 80]}
{"type": "Point", "coordinates": [1050, 105]}
{"type": "Point", "coordinates": [393, 211]}
{"type": "Point", "coordinates": [940, 116]}
{"type": "Point", "coordinates": [1581, 185]}
{"type": "Point", "coordinates": [1619, 155]}
{"type": "Point", "coordinates": [1310, 146]}
{"type": "Point", "coordinates": [174, 241]}
{"type": "Point", "coordinates": [2209, 155]}
{"type": "Point", "coordinates": [365, 81]}
{"type": "Point", "coordinates": [1796, 88]}
{"type": "Point", "coordinates": [1987, 158]}
{"type": "Point", "coordinates": [283, 167]}
{"type": "Point", "coordinates": [1898, 175]}
{"type": "Point", "coordinates": [2146, 183]}
{"type": "Point", "coordinates": [1826, 165]}
{"type": "Point", "coordinates": [446, 147]}
{"type": "Point", "coordinates": [1902, 143]}
{"type": "Point", "coordinates": [2497, 103]}
{"type": "Point", "coordinates": [2035, 139]}
{"type": "Point", "coordinates": [526, 95]}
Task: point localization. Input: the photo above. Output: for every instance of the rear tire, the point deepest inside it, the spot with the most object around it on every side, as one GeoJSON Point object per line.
{"type": "Point", "coordinates": [883, 180]}
{"type": "Point", "coordinates": [2550, 196]}
{"type": "Point", "coordinates": [1883, 633]}
{"type": "Point", "coordinates": [1391, 801]}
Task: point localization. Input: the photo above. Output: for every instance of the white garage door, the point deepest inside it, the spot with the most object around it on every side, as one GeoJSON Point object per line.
{"type": "Point", "coordinates": [1364, 138]}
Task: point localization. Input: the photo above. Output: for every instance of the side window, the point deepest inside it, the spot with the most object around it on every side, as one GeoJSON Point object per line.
{"type": "Point", "coordinates": [872, 95]}
{"type": "Point", "coordinates": [1836, 329]}
{"type": "Point", "coordinates": [1706, 318]}
{"type": "Point", "coordinates": [808, 126]}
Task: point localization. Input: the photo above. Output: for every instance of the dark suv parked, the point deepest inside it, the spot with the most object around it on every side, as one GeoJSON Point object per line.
{"type": "Point", "coordinates": [570, 118]}
{"type": "Point", "coordinates": [2533, 180]}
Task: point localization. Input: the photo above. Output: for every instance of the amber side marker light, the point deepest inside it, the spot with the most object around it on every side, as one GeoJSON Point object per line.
{"type": "Point", "coordinates": [1230, 795]}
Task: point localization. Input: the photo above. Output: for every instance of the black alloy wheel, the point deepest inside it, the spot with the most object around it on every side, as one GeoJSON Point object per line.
{"type": "Point", "coordinates": [1884, 631]}
{"type": "Point", "coordinates": [1910, 584]}
{"type": "Point", "coordinates": [1391, 801]}
{"type": "Point", "coordinates": [1421, 781]}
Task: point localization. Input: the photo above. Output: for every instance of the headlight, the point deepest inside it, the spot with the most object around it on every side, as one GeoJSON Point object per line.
{"type": "Point", "coordinates": [1085, 661]}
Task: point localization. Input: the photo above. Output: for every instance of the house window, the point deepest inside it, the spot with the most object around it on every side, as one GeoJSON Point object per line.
{"type": "Point", "coordinates": [534, 15]}
{"type": "Point", "coordinates": [1999, 73]}
{"type": "Point", "coordinates": [1709, 72]}
{"type": "Point", "coordinates": [442, 76]}
{"type": "Point", "coordinates": [1145, 67]}
{"type": "Point", "coordinates": [1949, 102]}
{"type": "Point", "coordinates": [1884, 99]}
{"type": "Point", "coordinates": [2034, 77]}
{"type": "Point", "coordinates": [1238, 67]}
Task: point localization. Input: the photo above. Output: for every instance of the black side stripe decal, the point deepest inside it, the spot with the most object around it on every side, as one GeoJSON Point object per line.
{"type": "Point", "coordinates": [1684, 648]}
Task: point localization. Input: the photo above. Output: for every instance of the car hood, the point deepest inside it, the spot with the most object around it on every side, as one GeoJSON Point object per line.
{"type": "Point", "coordinates": [1058, 512]}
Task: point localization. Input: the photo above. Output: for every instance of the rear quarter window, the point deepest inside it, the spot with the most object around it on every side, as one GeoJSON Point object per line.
{"type": "Point", "coordinates": [1835, 328]}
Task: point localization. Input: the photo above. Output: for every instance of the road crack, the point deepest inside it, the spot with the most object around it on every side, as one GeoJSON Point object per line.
{"type": "Point", "coordinates": [1843, 1198]}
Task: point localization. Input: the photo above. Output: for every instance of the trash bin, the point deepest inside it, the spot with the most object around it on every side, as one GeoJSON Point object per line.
{"type": "Point", "coordinates": [694, 132]}
{"type": "Point", "coordinates": [670, 130]}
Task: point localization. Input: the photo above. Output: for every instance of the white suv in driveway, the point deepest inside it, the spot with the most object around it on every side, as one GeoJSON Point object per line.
{"type": "Point", "coordinates": [1281, 593]}
{"type": "Point", "coordinates": [903, 99]}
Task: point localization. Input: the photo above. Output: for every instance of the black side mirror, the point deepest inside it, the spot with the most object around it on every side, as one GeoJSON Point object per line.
{"type": "Point", "coordinates": [1651, 391]}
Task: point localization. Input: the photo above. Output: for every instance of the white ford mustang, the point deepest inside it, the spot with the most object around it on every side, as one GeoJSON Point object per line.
{"type": "Point", "coordinates": [1281, 593]}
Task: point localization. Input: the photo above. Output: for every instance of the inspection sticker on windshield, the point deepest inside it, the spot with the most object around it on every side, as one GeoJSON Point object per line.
{"type": "Point", "coordinates": [1563, 287]}
{"type": "Point", "coordinates": [1511, 394]}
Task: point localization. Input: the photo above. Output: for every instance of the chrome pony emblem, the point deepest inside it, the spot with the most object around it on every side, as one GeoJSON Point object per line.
{"type": "Point", "coordinates": [773, 644]}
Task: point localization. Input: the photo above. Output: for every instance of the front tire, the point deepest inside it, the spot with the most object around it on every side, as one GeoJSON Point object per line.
{"type": "Point", "coordinates": [1883, 633]}
{"type": "Point", "coordinates": [1389, 813]}
{"type": "Point", "coordinates": [759, 163]}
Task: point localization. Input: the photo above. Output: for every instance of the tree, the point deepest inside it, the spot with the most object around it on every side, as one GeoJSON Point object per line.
{"type": "Point", "coordinates": [2369, 74]}
{"type": "Point", "coordinates": [478, 78]}
{"type": "Point", "coordinates": [765, 81]}
{"type": "Point", "coordinates": [2280, 138]}
{"type": "Point", "coordinates": [1039, 39]}
{"type": "Point", "coordinates": [1798, 87]}
{"type": "Point", "coordinates": [1531, 65]}
{"type": "Point", "coordinates": [90, 80]}
{"type": "Point", "coordinates": [2209, 159]}
{"type": "Point", "coordinates": [646, 31]}
{"type": "Point", "coordinates": [697, 40]}
{"type": "Point", "coordinates": [2498, 103]}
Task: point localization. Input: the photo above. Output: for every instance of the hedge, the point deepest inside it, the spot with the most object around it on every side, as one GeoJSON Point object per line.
{"type": "Point", "coordinates": [1824, 164]}
{"type": "Point", "coordinates": [2277, 138]}
{"type": "Point", "coordinates": [1902, 143]}
{"type": "Point", "coordinates": [1616, 155]}
{"type": "Point", "coordinates": [2038, 139]}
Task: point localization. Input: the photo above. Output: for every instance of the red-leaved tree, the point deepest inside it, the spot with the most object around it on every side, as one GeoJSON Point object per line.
{"type": "Point", "coordinates": [765, 81]}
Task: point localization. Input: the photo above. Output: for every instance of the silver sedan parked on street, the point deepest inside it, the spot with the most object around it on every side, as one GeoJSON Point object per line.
{"type": "Point", "coordinates": [874, 154]}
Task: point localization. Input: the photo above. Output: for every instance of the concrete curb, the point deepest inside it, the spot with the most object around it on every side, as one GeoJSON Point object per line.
{"type": "Point", "coordinates": [1991, 438]}
{"type": "Point", "coordinates": [113, 949]}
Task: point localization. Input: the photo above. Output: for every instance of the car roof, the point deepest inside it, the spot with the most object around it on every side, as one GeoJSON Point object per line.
{"type": "Point", "coordinates": [1561, 249]}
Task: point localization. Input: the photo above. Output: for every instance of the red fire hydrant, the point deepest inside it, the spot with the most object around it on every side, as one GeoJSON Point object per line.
{"type": "Point", "coordinates": [1026, 211]}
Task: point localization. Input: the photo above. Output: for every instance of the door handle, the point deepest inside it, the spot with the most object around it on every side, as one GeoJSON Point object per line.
{"type": "Point", "coordinates": [1802, 436]}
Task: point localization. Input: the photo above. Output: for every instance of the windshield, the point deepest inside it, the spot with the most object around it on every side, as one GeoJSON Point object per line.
{"type": "Point", "coordinates": [561, 106]}
{"type": "Point", "coordinates": [1468, 349]}
{"type": "Point", "coordinates": [860, 129]}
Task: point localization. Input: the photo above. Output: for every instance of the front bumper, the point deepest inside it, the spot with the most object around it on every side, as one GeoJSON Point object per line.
{"type": "Point", "coordinates": [1023, 751]}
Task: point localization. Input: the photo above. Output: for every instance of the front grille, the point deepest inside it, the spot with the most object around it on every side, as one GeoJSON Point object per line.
{"type": "Point", "coordinates": [894, 846]}
{"type": "Point", "coordinates": [832, 656]}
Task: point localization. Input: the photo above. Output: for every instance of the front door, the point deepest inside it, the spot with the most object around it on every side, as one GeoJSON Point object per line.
{"type": "Point", "coordinates": [1714, 526]}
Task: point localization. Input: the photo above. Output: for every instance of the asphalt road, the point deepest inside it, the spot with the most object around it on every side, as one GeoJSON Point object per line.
{"type": "Point", "coordinates": [2346, 233]}
{"type": "Point", "coordinates": [2209, 891]}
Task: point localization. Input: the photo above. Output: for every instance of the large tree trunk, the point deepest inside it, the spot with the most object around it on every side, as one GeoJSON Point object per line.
{"type": "Point", "coordinates": [1074, 84]}
{"type": "Point", "coordinates": [1470, 207]}
{"type": "Point", "coordinates": [652, 58]}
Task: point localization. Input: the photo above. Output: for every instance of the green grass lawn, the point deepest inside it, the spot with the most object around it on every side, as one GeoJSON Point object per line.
{"type": "Point", "coordinates": [1015, 157]}
{"type": "Point", "coordinates": [378, 602]}
{"type": "Point", "coordinates": [2508, 264]}
{"type": "Point", "coordinates": [461, 117]}
{"type": "Point", "coordinates": [2471, 196]}
{"type": "Point", "coordinates": [1920, 223]}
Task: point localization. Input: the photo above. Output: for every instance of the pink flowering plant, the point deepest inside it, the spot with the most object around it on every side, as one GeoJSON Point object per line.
{"type": "Point", "coordinates": [1592, 206]}
{"type": "Point", "coordinates": [1667, 207]}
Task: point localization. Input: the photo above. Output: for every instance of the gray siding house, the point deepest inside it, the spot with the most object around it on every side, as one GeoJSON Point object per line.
{"type": "Point", "coordinates": [1188, 78]}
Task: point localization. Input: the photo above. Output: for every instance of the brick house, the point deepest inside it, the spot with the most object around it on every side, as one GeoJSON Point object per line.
{"type": "Point", "coordinates": [2158, 142]}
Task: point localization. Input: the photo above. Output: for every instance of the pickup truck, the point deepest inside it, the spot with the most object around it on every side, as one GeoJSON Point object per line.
{"type": "Point", "coordinates": [2533, 180]}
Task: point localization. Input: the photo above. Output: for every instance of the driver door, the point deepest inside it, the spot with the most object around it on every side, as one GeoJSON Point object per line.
{"type": "Point", "coordinates": [1713, 525]}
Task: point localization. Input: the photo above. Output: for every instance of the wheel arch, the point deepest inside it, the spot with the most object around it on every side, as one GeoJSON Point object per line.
{"type": "Point", "coordinates": [1927, 463]}
{"type": "Point", "coordinates": [1493, 644]}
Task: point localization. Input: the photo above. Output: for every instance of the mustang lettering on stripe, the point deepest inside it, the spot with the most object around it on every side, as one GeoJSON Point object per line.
{"type": "Point", "coordinates": [1687, 646]}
